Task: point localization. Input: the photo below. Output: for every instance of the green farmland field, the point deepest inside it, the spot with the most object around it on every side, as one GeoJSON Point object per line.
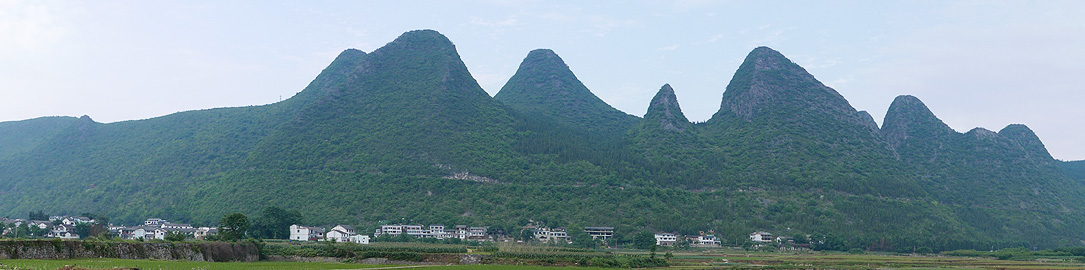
{"type": "Point", "coordinates": [681, 260]}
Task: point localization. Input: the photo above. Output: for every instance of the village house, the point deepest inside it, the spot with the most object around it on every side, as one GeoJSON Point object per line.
{"type": "Point", "coordinates": [556, 235]}
{"type": "Point", "coordinates": [437, 231]}
{"type": "Point", "coordinates": [75, 220]}
{"type": "Point", "coordinates": [359, 239]}
{"type": "Point", "coordinates": [666, 239]}
{"type": "Point", "coordinates": [154, 222]}
{"type": "Point", "coordinates": [303, 233]}
{"type": "Point", "coordinates": [393, 230]}
{"type": "Point", "coordinates": [170, 225]}
{"type": "Point", "coordinates": [601, 233]}
{"type": "Point", "coordinates": [477, 233]}
{"type": "Point", "coordinates": [707, 241]}
{"type": "Point", "coordinates": [761, 237]}
{"type": "Point", "coordinates": [346, 233]}
{"type": "Point", "coordinates": [204, 232]}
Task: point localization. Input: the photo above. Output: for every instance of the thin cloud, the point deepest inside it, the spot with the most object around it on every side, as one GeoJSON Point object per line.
{"type": "Point", "coordinates": [668, 48]}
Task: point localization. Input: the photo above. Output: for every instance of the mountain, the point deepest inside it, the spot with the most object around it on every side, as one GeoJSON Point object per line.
{"type": "Point", "coordinates": [664, 110]}
{"type": "Point", "coordinates": [405, 134]}
{"type": "Point", "coordinates": [777, 123]}
{"type": "Point", "coordinates": [1010, 163]}
{"type": "Point", "coordinates": [1074, 169]}
{"type": "Point", "coordinates": [544, 85]}
{"type": "Point", "coordinates": [412, 101]}
{"type": "Point", "coordinates": [19, 137]}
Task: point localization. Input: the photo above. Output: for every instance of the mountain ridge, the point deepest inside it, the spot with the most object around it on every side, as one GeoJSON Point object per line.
{"type": "Point", "coordinates": [405, 133]}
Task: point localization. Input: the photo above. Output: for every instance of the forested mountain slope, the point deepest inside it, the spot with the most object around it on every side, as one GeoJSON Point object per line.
{"type": "Point", "coordinates": [1074, 169]}
{"type": "Point", "coordinates": [405, 134]}
{"type": "Point", "coordinates": [544, 85]}
{"type": "Point", "coordinates": [19, 137]}
{"type": "Point", "coordinates": [779, 126]}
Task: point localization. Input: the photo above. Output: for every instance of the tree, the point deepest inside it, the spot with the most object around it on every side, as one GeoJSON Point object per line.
{"type": "Point", "coordinates": [175, 237]}
{"type": "Point", "coordinates": [82, 229]}
{"type": "Point", "coordinates": [644, 240]}
{"type": "Point", "coordinates": [527, 235]}
{"type": "Point", "coordinates": [581, 239]}
{"type": "Point", "coordinates": [40, 215]}
{"type": "Point", "coordinates": [274, 223]}
{"type": "Point", "coordinates": [233, 226]}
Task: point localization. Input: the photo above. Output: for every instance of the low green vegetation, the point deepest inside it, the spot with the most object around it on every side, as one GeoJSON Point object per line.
{"type": "Point", "coordinates": [169, 265]}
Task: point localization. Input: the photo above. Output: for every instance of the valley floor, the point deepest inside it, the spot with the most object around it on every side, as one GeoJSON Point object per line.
{"type": "Point", "coordinates": [681, 260]}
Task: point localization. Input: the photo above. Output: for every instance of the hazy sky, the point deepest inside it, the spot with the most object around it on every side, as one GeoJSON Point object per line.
{"type": "Point", "coordinates": [975, 64]}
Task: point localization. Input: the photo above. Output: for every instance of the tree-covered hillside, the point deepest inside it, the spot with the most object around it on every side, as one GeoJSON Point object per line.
{"type": "Point", "coordinates": [1074, 169]}
{"type": "Point", "coordinates": [405, 134]}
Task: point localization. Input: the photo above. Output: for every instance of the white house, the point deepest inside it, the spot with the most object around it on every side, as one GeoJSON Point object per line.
{"type": "Point", "coordinates": [344, 228]}
{"type": "Point", "coordinates": [545, 234]}
{"type": "Point", "coordinates": [708, 241]}
{"type": "Point", "coordinates": [360, 239]}
{"type": "Point", "coordinates": [414, 230]}
{"type": "Point", "coordinates": [337, 236]}
{"type": "Point", "coordinates": [602, 233]}
{"type": "Point", "coordinates": [346, 233]}
{"type": "Point", "coordinates": [75, 220]}
{"type": "Point", "coordinates": [761, 237]}
{"type": "Point", "coordinates": [143, 232]}
{"type": "Point", "coordinates": [392, 230]}
{"type": "Point", "coordinates": [666, 239]}
{"type": "Point", "coordinates": [437, 231]}
{"type": "Point", "coordinates": [476, 233]}
{"type": "Point", "coordinates": [154, 222]}
{"type": "Point", "coordinates": [203, 232]}
{"type": "Point", "coordinates": [304, 233]}
{"type": "Point", "coordinates": [170, 225]}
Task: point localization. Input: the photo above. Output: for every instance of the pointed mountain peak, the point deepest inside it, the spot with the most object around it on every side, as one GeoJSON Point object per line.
{"type": "Point", "coordinates": [664, 110]}
{"type": "Point", "coordinates": [868, 120]}
{"type": "Point", "coordinates": [349, 54]}
{"type": "Point", "coordinates": [767, 83]}
{"type": "Point", "coordinates": [423, 36]}
{"type": "Point", "coordinates": [765, 58]}
{"type": "Point", "coordinates": [544, 84]}
{"type": "Point", "coordinates": [421, 42]}
{"type": "Point", "coordinates": [543, 55]}
{"type": "Point", "coordinates": [909, 117]}
{"type": "Point", "coordinates": [1024, 137]}
{"type": "Point", "coordinates": [330, 80]}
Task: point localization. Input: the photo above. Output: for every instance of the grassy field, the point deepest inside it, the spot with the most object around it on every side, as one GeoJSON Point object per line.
{"type": "Point", "coordinates": [711, 260]}
{"type": "Point", "coordinates": [186, 265]}
{"type": "Point", "coordinates": [169, 265]}
{"type": "Point", "coordinates": [681, 260]}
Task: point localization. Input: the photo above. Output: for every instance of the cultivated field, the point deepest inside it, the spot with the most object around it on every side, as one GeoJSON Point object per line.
{"type": "Point", "coordinates": [709, 259]}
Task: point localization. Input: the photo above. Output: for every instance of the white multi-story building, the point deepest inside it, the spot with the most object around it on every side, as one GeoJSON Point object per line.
{"type": "Point", "coordinates": [708, 241]}
{"type": "Point", "coordinates": [304, 233]}
{"type": "Point", "coordinates": [761, 237]}
{"type": "Point", "coordinates": [477, 233]}
{"type": "Point", "coordinates": [359, 239]}
{"type": "Point", "coordinates": [558, 235]}
{"type": "Point", "coordinates": [415, 230]}
{"type": "Point", "coordinates": [602, 233]}
{"type": "Point", "coordinates": [437, 231]}
{"type": "Point", "coordinates": [392, 230]}
{"type": "Point", "coordinates": [154, 222]}
{"type": "Point", "coordinates": [666, 239]}
{"type": "Point", "coordinates": [203, 232]}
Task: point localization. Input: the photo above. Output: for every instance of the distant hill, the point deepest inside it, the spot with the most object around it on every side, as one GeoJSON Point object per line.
{"type": "Point", "coordinates": [545, 86]}
{"type": "Point", "coordinates": [405, 134]}
{"type": "Point", "coordinates": [20, 137]}
{"type": "Point", "coordinates": [1074, 169]}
